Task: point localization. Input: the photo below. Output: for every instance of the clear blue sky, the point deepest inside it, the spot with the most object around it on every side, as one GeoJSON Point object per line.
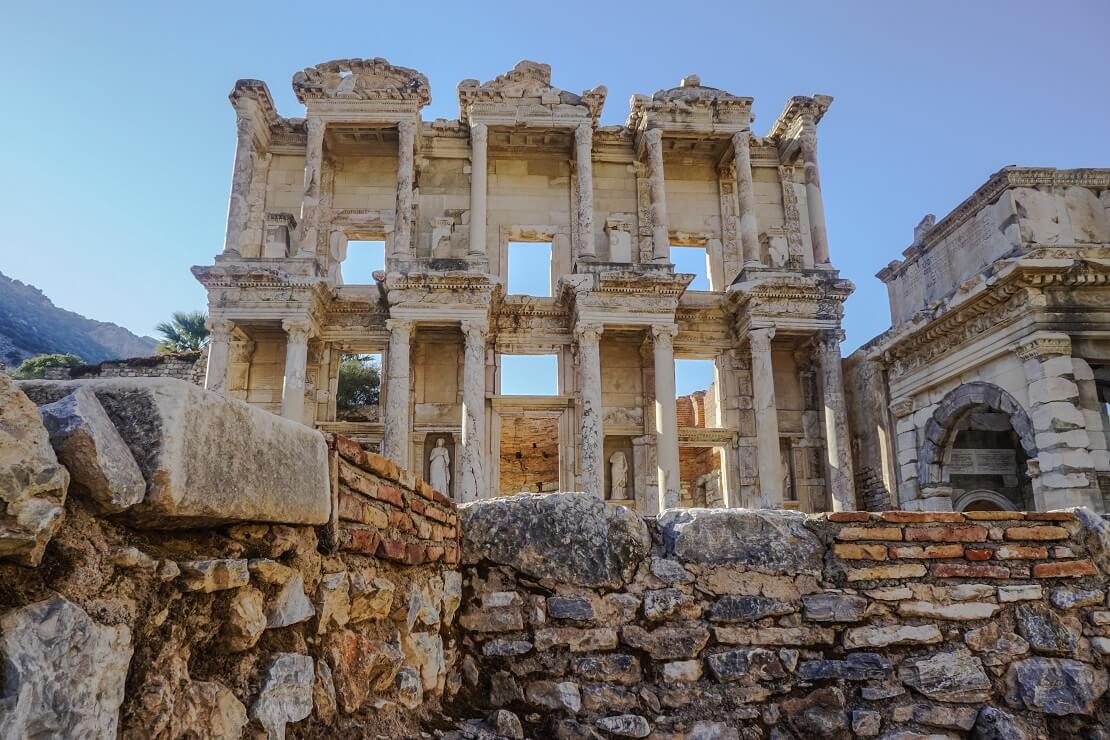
{"type": "Point", "coordinates": [117, 137]}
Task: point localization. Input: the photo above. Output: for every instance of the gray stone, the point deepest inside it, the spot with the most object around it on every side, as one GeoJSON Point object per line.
{"type": "Point", "coordinates": [207, 459]}
{"type": "Point", "coordinates": [744, 663]}
{"type": "Point", "coordinates": [558, 696]}
{"type": "Point", "coordinates": [767, 540]}
{"type": "Point", "coordinates": [286, 694]}
{"type": "Point", "coordinates": [290, 605]}
{"type": "Point", "coordinates": [502, 648]}
{"type": "Point", "coordinates": [935, 715]}
{"type": "Point", "coordinates": [996, 724]}
{"type": "Point", "coordinates": [208, 576]}
{"type": "Point", "coordinates": [712, 731]}
{"type": "Point", "coordinates": [573, 538]}
{"type": "Point", "coordinates": [834, 607]}
{"type": "Point", "coordinates": [998, 646]}
{"type": "Point", "coordinates": [747, 608]}
{"type": "Point", "coordinates": [507, 724]}
{"type": "Point", "coordinates": [32, 483]}
{"type": "Point", "coordinates": [100, 464]}
{"type": "Point", "coordinates": [666, 643]}
{"type": "Point", "coordinates": [64, 673]}
{"type": "Point", "coordinates": [866, 723]}
{"type": "Point", "coordinates": [856, 667]}
{"type": "Point", "coordinates": [1067, 598]}
{"type": "Point", "coordinates": [954, 676]}
{"type": "Point", "coordinates": [410, 687]}
{"type": "Point", "coordinates": [210, 710]}
{"type": "Point", "coordinates": [614, 667]}
{"type": "Point", "coordinates": [670, 572]}
{"type": "Point", "coordinates": [1045, 631]}
{"type": "Point", "coordinates": [569, 607]}
{"type": "Point", "coordinates": [625, 725]}
{"type": "Point", "coordinates": [504, 689]}
{"type": "Point", "coordinates": [1058, 686]}
{"type": "Point", "coordinates": [820, 713]}
{"type": "Point", "coordinates": [666, 603]}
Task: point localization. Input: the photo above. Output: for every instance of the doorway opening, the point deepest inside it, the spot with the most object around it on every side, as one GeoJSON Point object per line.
{"type": "Point", "coordinates": [529, 455]}
{"type": "Point", "coordinates": [358, 392]}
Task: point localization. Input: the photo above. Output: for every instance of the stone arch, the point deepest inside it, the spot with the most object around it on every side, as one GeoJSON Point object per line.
{"type": "Point", "coordinates": [982, 494]}
{"type": "Point", "coordinates": [941, 427]}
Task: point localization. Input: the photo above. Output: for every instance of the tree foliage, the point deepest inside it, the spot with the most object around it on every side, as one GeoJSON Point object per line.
{"type": "Point", "coordinates": [35, 367]}
{"type": "Point", "coordinates": [185, 332]}
{"type": "Point", "coordinates": [359, 382]}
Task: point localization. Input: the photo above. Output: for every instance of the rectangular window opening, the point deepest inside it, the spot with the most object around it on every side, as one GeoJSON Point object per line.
{"type": "Point", "coordinates": [363, 259]}
{"type": "Point", "coordinates": [692, 260]}
{"type": "Point", "coordinates": [529, 455]}
{"type": "Point", "coordinates": [529, 375]}
{"type": "Point", "coordinates": [529, 269]}
{"type": "Point", "coordinates": [358, 392]}
{"type": "Point", "coordinates": [696, 392]}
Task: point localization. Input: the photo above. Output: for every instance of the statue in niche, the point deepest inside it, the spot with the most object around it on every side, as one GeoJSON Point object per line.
{"type": "Point", "coordinates": [618, 476]}
{"type": "Point", "coordinates": [439, 467]}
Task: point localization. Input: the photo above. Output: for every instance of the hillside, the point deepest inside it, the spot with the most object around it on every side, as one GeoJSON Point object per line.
{"type": "Point", "coordinates": [30, 324]}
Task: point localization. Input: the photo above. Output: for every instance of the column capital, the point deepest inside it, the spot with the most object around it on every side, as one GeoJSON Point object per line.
{"type": "Point", "coordinates": [664, 332]}
{"type": "Point", "coordinates": [406, 127]}
{"type": "Point", "coordinates": [828, 341]}
{"type": "Point", "coordinates": [901, 407]}
{"type": "Point", "coordinates": [395, 326]}
{"type": "Point", "coordinates": [474, 329]}
{"type": "Point", "coordinates": [479, 132]}
{"type": "Point", "coordinates": [653, 136]}
{"type": "Point", "coordinates": [297, 329]}
{"type": "Point", "coordinates": [584, 133]}
{"type": "Point", "coordinates": [589, 331]}
{"type": "Point", "coordinates": [315, 126]}
{"type": "Point", "coordinates": [1043, 345]}
{"type": "Point", "coordinates": [761, 338]}
{"type": "Point", "coordinates": [742, 139]}
{"type": "Point", "coordinates": [219, 328]}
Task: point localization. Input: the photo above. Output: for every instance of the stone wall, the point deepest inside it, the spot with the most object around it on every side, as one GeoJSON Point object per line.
{"type": "Point", "coordinates": [586, 621]}
{"type": "Point", "coordinates": [187, 366]}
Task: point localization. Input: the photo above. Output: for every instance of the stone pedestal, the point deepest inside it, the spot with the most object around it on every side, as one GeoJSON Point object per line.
{"type": "Point", "coordinates": [242, 175]}
{"type": "Point", "coordinates": [313, 171]}
{"type": "Point", "coordinates": [660, 237]}
{"type": "Point", "coordinates": [219, 351]}
{"type": "Point", "coordinates": [666, 415]}
{"type": "Point", "coordinates": [592, 475]}
{"type": "Point", "coordinates": [478, 137]}
{"type": "Point", "coordinates": [402, 220]}
{"type": "Point", "coordinates": [837, 440]}
{"type": "Point", "coordinates": [583, 152]}
{"type": "Point", "coordinates": [745, 194]}
{"type": "Point", "coordinates": [472, 479]}
{"type": "Point", "coordinates": [818, 236]}
{"type": "Point", "coordinates": [296, 358]}
{"type": "Point", "coordinates": [768, 454]}
{"type": "Point", "coordinates": [395, 441]}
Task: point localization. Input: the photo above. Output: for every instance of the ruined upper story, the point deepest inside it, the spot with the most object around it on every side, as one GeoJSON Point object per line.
{"type": "Point", "coordinates": [360, 115]}
{"type": "Point", "coordinates": [1017, 211]}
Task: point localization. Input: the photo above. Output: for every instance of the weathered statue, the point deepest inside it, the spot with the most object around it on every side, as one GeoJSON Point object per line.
{"type": "Point", "coordinates": [618, 476]}
{"type": "Point", "coordinates": [439, 464]}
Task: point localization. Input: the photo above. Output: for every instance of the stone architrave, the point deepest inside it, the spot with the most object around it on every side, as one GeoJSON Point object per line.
{"type": "Point", "coordinates": [768, 453]}
{"type": "Point", "coordinates": [479, 135]}
{"type": "Point", "coordinates": [402, 229]}
{"type": "Point", "coordinates": [472, 478]}
{"type": "Point", "coordinates": [242, 174]}
{"type": "Point", "coordinates": [745, 193]}
{"type": "Point", "coordinates": [583, 150]}
{"type": "Point", "coordinates": [313, 171]}
{"type": "Point", "coordinates": [219, 351]}
{"type": "Point", "coordinates": [837, 439]}
{"type": "Point", "coordinates": [818, 235]}
{"type": "Point", "coordinates": [296, 362]}
{"type": "Point", "coordinates": [395, 442]}
{"type": "Point", "coordinates": [666, 415]}
{"type": "Point", "coordinates": [592, 475]}
{"type": "Point", "coordinates": [660, 236]}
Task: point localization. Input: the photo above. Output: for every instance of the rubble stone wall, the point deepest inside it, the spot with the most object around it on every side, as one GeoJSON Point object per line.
{"type": "Point", "coordinates": [588, 622]}
{"type": "Point", "coordinates": [187, 366]}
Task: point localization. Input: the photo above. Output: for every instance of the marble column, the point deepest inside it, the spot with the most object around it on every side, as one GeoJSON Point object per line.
{"type": "Point", "coordinates": [768, 453]}
{"type": "Point", "coordinates": [310, 202]}
{"type": "Point", "coordinates": [219, 351]}
{"type": "Point", "coordinates": [296, 358]}
{"type": "Point", "coordinates": [583, 153]}
{"type": "Point", "coordinates": [660, 237]}
{"type": "Point", "coordinates": [666, 416]}
{"type": "Point", "coordinates": [837, 440]}
{"type": "Point", "coordinates": [592, 475]}
{"type": "Point", "coordinates": [472, 477]}
{"type": "Point", "coordinates": [478, 137]}
{"type": "Point", "coordinates": [745, 193]}
{"type": "Point", "coordinates": [242, 174]}
{"type": "Point", "coordinates": [402, 219]}
{"type": "Point", "coordinates": [395, 439]}
{"type": "Point", "coordinates": [818, 237]}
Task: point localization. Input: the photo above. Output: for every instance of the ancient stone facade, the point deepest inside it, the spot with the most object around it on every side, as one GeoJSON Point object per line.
{"type": "Point", "coordinates": [528, 162]}
{"type": "Point", "coordinates": [990, 389]}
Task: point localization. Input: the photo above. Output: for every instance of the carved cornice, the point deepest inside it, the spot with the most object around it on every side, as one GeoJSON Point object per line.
{"type": "Point", "coordinates": [789, 295]}
{"type": "Point", "coordinates": [253, 276]}
{"type": "Point", "coordinates": [257, 91]}
{"type": "Point", "coordinates": [1044, 345]}
{"type": "Point", "coordinates": [361, 79]}
{"type": "Point", "coordinates": [797, 110]}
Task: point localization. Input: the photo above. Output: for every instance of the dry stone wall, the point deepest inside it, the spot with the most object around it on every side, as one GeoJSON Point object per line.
{"type": "Point", "coordinates": [187, 366]}
{"type": "Point", "coordinates": [585, 621]}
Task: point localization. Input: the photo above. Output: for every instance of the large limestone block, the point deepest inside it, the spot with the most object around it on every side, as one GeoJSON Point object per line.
{"type": "Point", "coordinates": [766, 539]}
{"type": "Point", "coordinates": [32, 483]}
{"type": "Point", "coordinates": [208, 459]}
{"type": "Point", "coordinates": [100, 464]}
{"type": "Point", "coordinates": [569, 537]}
{"type": "Point", "coordinates": [64, 674]}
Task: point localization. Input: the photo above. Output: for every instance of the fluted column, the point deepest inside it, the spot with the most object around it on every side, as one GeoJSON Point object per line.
{"type": "Point", "coordinates": [666, 416]}
{"type": "Point", "coordinates": [592, 475]}
{"type": "Point", "coordinates": [745, 192]}
{"type": "Point", "coordinates": [837, 440]}
{"type": "Point", "coordinates": [478, 137]}
{"type": "Point", "coordinates": [310, 202]}
{"type": "Point", "coordinates": [818, 236]}
{"type": "Point", "coordinates": [583, 152]}
{"type": "Point", "coordinates": [660, 237]}
{"type": "Point", "coordinates": [395, 440]}
{"type": "Point", "coordinates": [242, 174]}
{"type": "Point", "coordinates": [219, 351]}
{"type": "Point", "coordinates": [296, 360]}
{"type": "Point", "coordinates": [402, 220]}
{"type": "Point", "coordinates": [768, 454]}
{"type": "Point", "coordinates": [472, 477]}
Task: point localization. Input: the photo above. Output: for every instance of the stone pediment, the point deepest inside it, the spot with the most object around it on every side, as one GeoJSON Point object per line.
{"type": "Point", "coordinates": [798, 108]}
{"type": "Point", "coordinates": [690, 102]}
{"type": "Point", "coordinates": [526, 92]}
{"type": "Point", "coordinates": [361, 79]}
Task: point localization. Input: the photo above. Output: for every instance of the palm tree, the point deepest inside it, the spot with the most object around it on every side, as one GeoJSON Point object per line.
{"type": "Point", "coordinates": [185, 333]}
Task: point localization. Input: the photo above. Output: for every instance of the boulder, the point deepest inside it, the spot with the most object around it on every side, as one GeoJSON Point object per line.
{"type": "Point", "coordinates": [574, 538]}
{"type": "Point", "coordinates": [286, 695]}
{"type": "Point", "coordinates": [774, 541]}
{"type": "Point", "coordinates": [64, 673]}
{"type": "Point", "coordinates": [1058, 686]}
{"type": "Point", "coordinates": [100, 464]}
{"type": "Point", "coordinates": [207, 459]}
{"type": "Point", "coordinates": [32, 483]}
